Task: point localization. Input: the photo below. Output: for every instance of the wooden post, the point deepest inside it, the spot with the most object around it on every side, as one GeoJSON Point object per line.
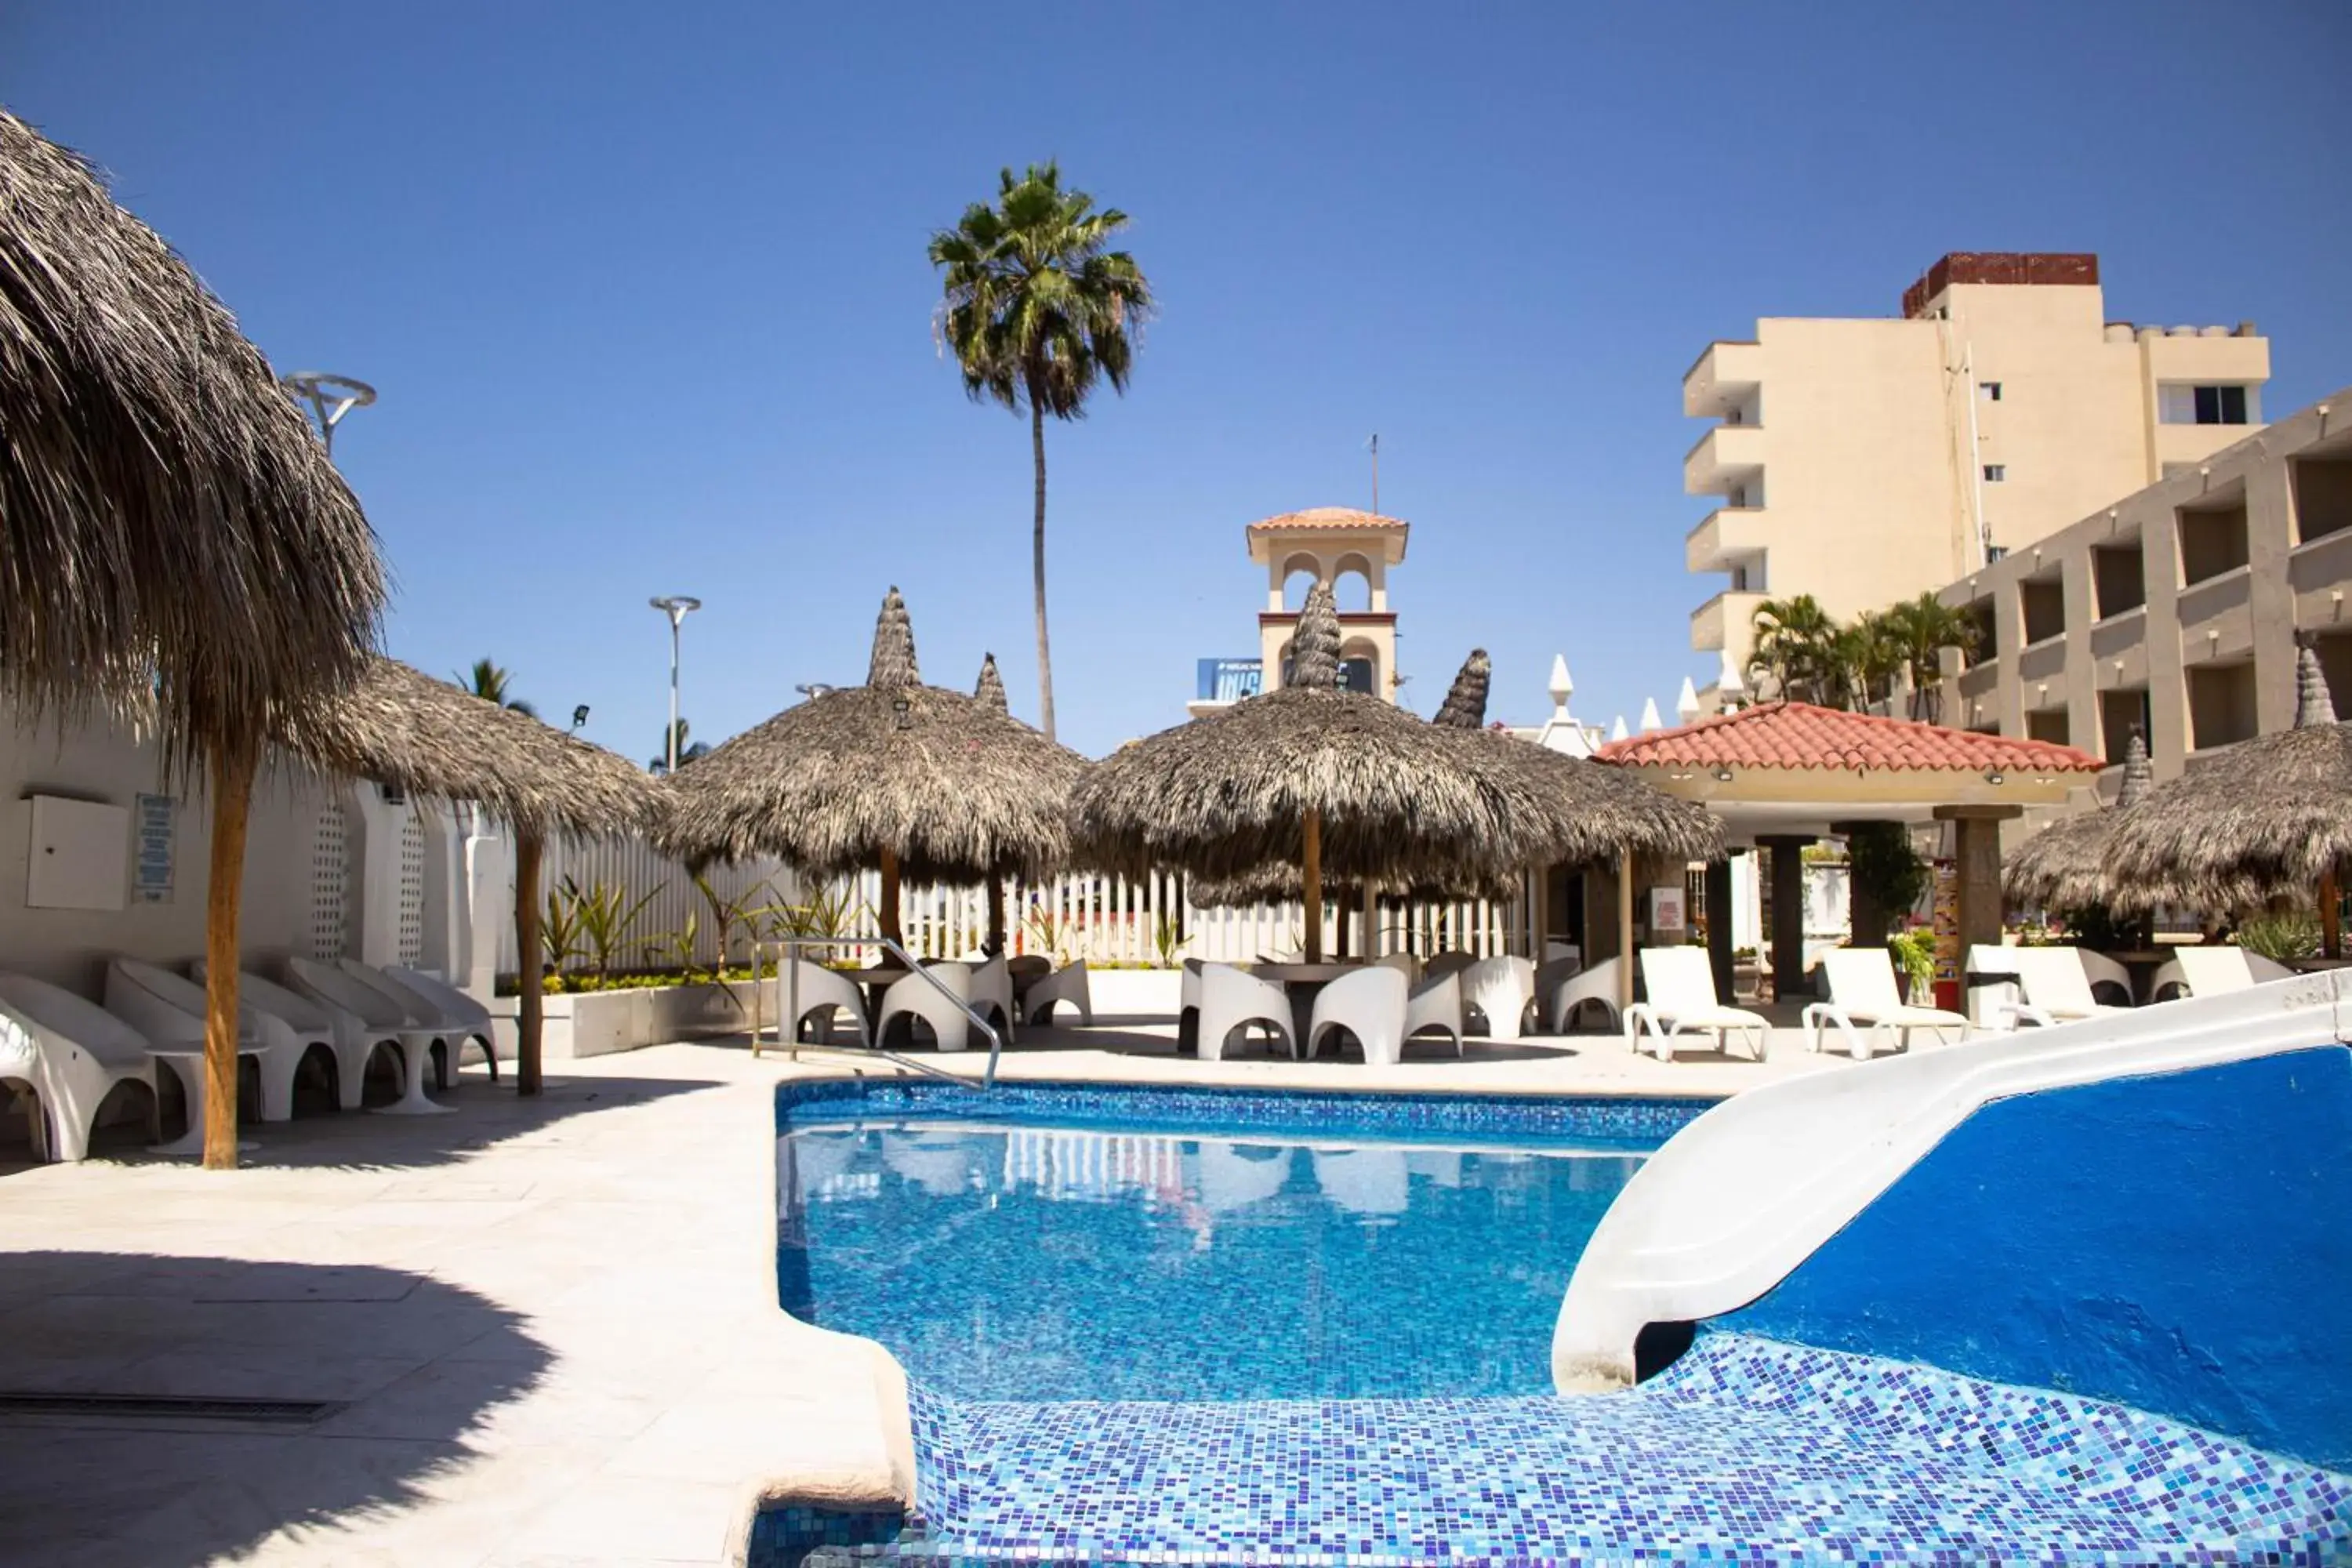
{"type": "Point", "coordinates": [233, 767]}
{"type": "Point", "coordinates": [887, 915]}
{"type": "Point", "coordinates": [530, 981]}
{"type": "Point", "coordinates": [1340, 920]}
{"type": "Point", "coordinates": [1371, 922]}
{"type": "Point", "coordinates": [1787, 936]}
{"type": "Point", "coordinates": [1311, 857]}
{"type": "Point", "coordinates": [1624, 931]}
{"type": "Point", "coordinates": [2331, 915]}
{"type": "Point", "coordinates": [1718, 927]}
{"type": "Point", "coordinates": [995, 942]}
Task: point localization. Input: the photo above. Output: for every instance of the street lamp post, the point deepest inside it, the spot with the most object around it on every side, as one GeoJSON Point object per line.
{"type": "Point", "coordinates": [329, 397]}
{"type": "Point", "coordinates": [677, 607]}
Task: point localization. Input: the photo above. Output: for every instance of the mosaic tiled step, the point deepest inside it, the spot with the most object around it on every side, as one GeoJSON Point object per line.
{"type": "Point", "coordinates": [1747, 1451]}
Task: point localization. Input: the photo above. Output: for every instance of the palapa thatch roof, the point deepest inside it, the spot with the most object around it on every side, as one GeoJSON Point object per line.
{"type": "Point", "coordinates": [2264, 819]}
{"type": "Point", "coordinates": [176, 538]}
{"type": "Point", "coordinates": [1464, 706]}
{"type": "Point", "coordinates": [2065, 865]}
{"type": "Point", "coordinates": [990, 689]}
{"type": "Point", "coordinates": [956, 790]}
{"type": "Point", "coordinates": [398, 725]}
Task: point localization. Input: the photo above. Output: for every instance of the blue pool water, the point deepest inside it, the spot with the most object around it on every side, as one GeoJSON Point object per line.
{"type": "Point", "coordinates": [1111, 1246]}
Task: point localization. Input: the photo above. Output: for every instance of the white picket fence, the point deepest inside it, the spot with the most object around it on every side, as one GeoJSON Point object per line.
{"type": "Point", "coordinates": [637, 869]}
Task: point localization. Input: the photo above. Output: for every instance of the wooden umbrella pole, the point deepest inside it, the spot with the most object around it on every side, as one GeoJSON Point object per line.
{"type": "Point", "coordinates": [531, 1006]}
{"type": "Point", "coordinates": [233, 767]}
{"type": "Point", "coordinates": [2331, 915]}
{"type": "Point", "coordinates": [995, 914]}
{"type": "Point", "coordinates": [887, 915]}
{"type": "Point", "coordinates": [1311, 865]}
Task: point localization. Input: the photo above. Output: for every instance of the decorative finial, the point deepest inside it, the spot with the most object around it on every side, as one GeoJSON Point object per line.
{"type": "Point", "coordinates": [1315, 646]}
{"type": "Point", "coordinates": [1562, 688]}
{"type": "Point", "coordinates": [1464, 706]}
{"type": "Point", "coordinates": [892, 663]}
{"type": "Point", "coordinates": [1686, 705]}
{"type": "Point", "coordinates": [1617, 731]}
{"type": "Point", "coordinates": [1650, 719]}
{"type": "Point", "coordinates": [1728, 687]}
{"type": "Point", "coordinates": [2312, 703]}
{"type": "Point", "coordinates": [2138, 777]}
{"type": "Point", "coordinates": [991, 690]}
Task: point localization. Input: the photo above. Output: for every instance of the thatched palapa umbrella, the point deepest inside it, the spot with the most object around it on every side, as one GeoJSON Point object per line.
{"type": "Point", "coordinates": [2270, 817]}
{"type": "Point", "coordinates": [175, 537]}
{"type": "Point", "coordinates": [399, 726]}
{"type": "Point", "coordinates": [2065, 866]}
{"type": "Point", "coordinates": [929, 785]}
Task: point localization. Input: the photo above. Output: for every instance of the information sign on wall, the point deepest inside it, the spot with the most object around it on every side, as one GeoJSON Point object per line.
{"type": "Point", "coordinates": [154, 849]}
{"type": "Point", "coordinates": [1667, 912]}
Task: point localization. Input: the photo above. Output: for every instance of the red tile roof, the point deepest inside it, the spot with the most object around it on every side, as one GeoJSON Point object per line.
{"type": "Point", "coordinates": [1799, 735]}
{"type": "Point", "coordinates": [1327, 516]}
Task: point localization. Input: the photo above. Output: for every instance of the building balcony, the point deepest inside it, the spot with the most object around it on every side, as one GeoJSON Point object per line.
{"type": "Point", "coordinates": [1727, 622]}
{"type": "Point", "coordinates": [1726, 376]}
{"type": "Point", "coordinates": [1726, 537]}
{"type": "Point", "coordinates": [1726, 457]}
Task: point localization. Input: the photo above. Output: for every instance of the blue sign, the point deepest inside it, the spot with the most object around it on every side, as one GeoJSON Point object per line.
{"type": "Point", "coordinates": [155, 823]}
{"type": "Point", "coordinates": [1230, 679]}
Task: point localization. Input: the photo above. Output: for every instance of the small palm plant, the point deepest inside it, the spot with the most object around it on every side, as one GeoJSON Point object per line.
{"type": "Point", "coordinates": [489, 680]}
{"type": "Point", "coordinates": [560, 933]}
{"type": "Point", "coordinates": [606, 915]}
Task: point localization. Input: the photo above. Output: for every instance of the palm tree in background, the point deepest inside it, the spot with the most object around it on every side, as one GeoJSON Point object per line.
{"type": "Point", "coordinates": [1038, 308]}
{"type": "Point", "coordinates": [1922, 628]}
{"type": "Point", "coordinates": [685, 754]}
{"type": "Point", "coordinates": [1873, 658]}
{"type": "Point", "coordinates": [489, 680]}
{"type": "Point", "coordinates": [1797, 644]}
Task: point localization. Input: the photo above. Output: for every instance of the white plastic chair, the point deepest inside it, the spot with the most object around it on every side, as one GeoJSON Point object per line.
{"type": "Point", "coordinates": [914, 997]}
{"type": "Point", "coordinates": [1499, 990]}
{"type": "Point", "coordinates": [1682, 1000]}
{"type": "Point", "coordinates": [2054, 982]}
{"type": "Point", "coordinates": [1862, 990]}
{"type": "Point", "coordinates": [1229, 998]}
{"type": "Point", "coordinates": [169, 1009]}
{"type": "Point", "coordinates": [385, 1017]}
{"type": "Point", "coordinates": [71, 1053]}
{"type": "Point", "coordinates": [466, 1021]}
{"type": "Point", "coordinates": [350, 1037]}
{"type": "Point", "coordinates": [1451, 962]}
{"type": "Point", "coordinates": [2211, 971]}
{"type": "Point", "coordinates": [1369, 1004]}
{"type": "Point", "coordinates": [1188, 1007]}
{"type": "Point", "coordinates": [1597, 986]}
{"type": "Point", "coordinates": [1067, 983]}
{"type": "Point", "coordinates": [823, 992]}
{"type": "Point", "coordinates": [1549, 976]}
{"type": "Point", "coordinates": [1435, 1003]}
{"type": "Point", "coordinates": [1404, 963]}
{"type": "Point", "coordinates": [992, 994]}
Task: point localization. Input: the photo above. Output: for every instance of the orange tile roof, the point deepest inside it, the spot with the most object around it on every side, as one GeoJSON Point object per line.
{"type": "Point", "coordinates": [1328, 517]}
{"type": "Point", "coordinates": [1801, 735]}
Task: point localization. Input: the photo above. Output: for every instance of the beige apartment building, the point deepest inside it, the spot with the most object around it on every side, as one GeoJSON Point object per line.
{"type": "Point", "coordinates": [2175, 607]}
{"type": "Point", "coordinates": [1871, 459]}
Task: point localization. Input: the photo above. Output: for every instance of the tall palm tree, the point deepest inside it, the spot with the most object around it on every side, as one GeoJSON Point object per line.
{"type": "Point", "coordinates": [489, 680]}
{"type": "Point", "coordinates": [1037, 308]}
{"type": "Point", "coordinates": [1922, 628]}
{"type": "Point", "coordinates": [1874, 656]}
{"type": "Point", "coordinates": [685, 754]}
{"type": "Point", "coordinates": [1796, 645]}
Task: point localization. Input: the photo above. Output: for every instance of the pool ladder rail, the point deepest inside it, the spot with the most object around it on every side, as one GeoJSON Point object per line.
{"type": "Point", "coordinates": [789, 1034]}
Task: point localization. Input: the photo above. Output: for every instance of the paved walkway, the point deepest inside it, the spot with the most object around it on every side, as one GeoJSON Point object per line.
{"type": "Point", "coordinates": [551, 1325]}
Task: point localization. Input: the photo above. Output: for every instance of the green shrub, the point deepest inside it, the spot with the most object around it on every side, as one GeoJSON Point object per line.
{"type": "Point", "coordinates": [2281, 937]}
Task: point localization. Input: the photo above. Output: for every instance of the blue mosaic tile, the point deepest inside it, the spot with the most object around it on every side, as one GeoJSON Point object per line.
{"type": "Point", "coordinates": [1745, 1452]}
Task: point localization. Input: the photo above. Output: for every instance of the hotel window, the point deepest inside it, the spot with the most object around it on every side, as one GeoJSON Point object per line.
{"type": "Point", "coordinates": [2179, 404]}
{"type": "Point", "coordinates": [1990, 390]}
{"type": "Point", "coordinates": [1996, 473]}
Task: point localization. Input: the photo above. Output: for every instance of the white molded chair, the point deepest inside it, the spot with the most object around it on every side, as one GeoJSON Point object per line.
{"type": "Point", "coordinates": [1369, 1004]}
{"type": "Point", "coordinates": [823, 992]}
{"type": "Point", "coordinates": [1498, 990]}
{"type": "Point", "coordinates": [2211, 971]}
{"type": "Point", "coordinates": [1596, 986]}
{"type": "Point", "coordinates": [913, 996]}
{"type": "Point", "coordinates": [1231, 998]}
{"type": "Point", "coordinates": [466, 1021]}
{"type": "Point", "coordinates": [1188, 1007]}
{"type": "Point", "coordinates": [992, 994]}
{"type": "Point", "coordinates": [385, 1019]}
{"type": "Point", "coordinates": [71, 1053]}
{"type": "Point", "coordinates": [1067, 983]}
{"type": "Point", "coordinates": [1404, 963]}
{"type": "Point", "coordinates": [1549, 976]}
{"type": "Point", "coordinates": [1435, 1003]}
{"type": "Point", "coordinates": [169, 1009]}
{"type": "Point", "coordinates": [2052, 986]}
{"type": "Point", "coordinates": [352, 1040]}
{"type": "Point", "coordinates": [1862, 990]}
{"type": "Point", "coordinates": [1449, 963]}
{"type": "Point", "coordinates": [1682, 1000]}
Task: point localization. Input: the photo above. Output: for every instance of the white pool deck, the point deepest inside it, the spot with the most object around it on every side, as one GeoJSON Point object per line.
{"type": "Point", "coordinates": [551, 1323]}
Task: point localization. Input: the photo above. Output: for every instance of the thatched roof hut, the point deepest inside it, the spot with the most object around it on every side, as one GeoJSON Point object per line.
{"type": "Point", "coordinates": [2270, 817]}
{"type": "Point", "coordinates": [175, 535]}
{"type": "Point", "coordinates": [2065, 865]}
{"type": "Point", "coordinates": [990, 688]}
{"type": "Point", "coordinates": [891, 773]}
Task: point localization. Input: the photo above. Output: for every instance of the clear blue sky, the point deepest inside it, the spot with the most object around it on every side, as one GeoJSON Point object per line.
{"type": "Point", "coordinates": [644, 290]}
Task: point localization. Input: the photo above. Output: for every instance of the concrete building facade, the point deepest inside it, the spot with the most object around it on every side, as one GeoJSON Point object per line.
{"type": "Point", "coordinates": [2175, 608]}
{"type": "Point", "coordinates": [1868, 461]}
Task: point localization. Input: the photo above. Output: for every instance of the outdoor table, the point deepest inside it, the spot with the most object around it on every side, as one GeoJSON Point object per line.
{"type": "Point", "coordinates": [874, 981]}
{"type": "Point", "coordinates": [1301, 983]}
{"type": "Point", "coordinates": [188, 1063]}
{"type": "Point", "coordinates": [2141, 965]}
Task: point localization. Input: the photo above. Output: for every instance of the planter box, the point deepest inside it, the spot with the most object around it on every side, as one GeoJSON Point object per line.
{"type": "Point", "coordinates": [598, 1023]}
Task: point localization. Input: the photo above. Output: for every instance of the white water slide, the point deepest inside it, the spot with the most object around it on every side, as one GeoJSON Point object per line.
{"type": "Point", "coordinates": [1745, 1194]}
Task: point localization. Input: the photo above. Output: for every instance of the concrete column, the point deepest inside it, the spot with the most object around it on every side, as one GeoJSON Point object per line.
{"type": "Point", "coordinates": [375, 925]}
{"type": "Point", "coordinates": [1718, 924]}
{"type": "Point", "coordinates": [2270, 595]}
{"type": "Point", "coordinates": [1976, 855]}
{"type": "Point", "coordinates": [1788, 912]}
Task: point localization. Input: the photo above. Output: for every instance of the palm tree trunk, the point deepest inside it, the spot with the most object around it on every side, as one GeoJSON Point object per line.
{"type": "Point", "coordinates": [233, 767]}
{"type": "Point", "coordinates": [530, 989]}
{"type": "Point", "coordinates": [1037, 567]}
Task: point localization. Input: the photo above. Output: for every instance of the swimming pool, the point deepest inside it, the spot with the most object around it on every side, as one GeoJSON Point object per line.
{"type": "Point", "coordinates": [1057, 1242]}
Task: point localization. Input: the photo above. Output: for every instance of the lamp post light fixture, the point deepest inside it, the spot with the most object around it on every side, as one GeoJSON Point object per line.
{"type": "Point", "coordinates": [677, 607]}
{"type": "Point", "coordinates": [329, 397]}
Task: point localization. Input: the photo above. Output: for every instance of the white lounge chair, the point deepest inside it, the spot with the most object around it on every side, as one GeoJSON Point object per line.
{"type": "Point", "coordinates": [913, 997]}
{"type": "Point", "coordinates": [350, 1037]}
{"type": "Point", "coordinates": [1435, 1003]}
{"type": "Point", "coordinates": [822, 993]}
{"type": "Point", "coordinates": [169, 1009]}
{"type": "Point", "coordinates": [71, 1053]}
{"type": "Point", "coordinates": [2211, 971]}
{"type": "Point", "coordinates": [1596, 986]}
{"type": "Point", "coordinates": [1682, 1000]}
{"type": "Point", "coordinates": [467, 1020]}
{"type": "Point", "coordinates": [1369, 1004]}
{"type": "Point", "coordinates": [1067, 983]}
{"type": "Point", "coordinates": [1862, 990]}
{"type": "Point", "coordinates": [1232, 998]}
{"type": "Point", "coordinates": [1498, 990]}
{"type": "Point", "coordinates": [2051, 986]}
{"type": "Point", "coordinates": [385, 1017]}
{"type": "Point", "coordinates": [991, 994]}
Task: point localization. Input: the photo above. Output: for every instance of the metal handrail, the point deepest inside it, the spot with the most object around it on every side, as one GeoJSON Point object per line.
{"type": "Point", "coordinates": [788, 1026]}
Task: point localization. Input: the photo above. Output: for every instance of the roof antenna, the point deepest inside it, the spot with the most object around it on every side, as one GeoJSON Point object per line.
{"type": "Point", "coordinates": [1373, 446]}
